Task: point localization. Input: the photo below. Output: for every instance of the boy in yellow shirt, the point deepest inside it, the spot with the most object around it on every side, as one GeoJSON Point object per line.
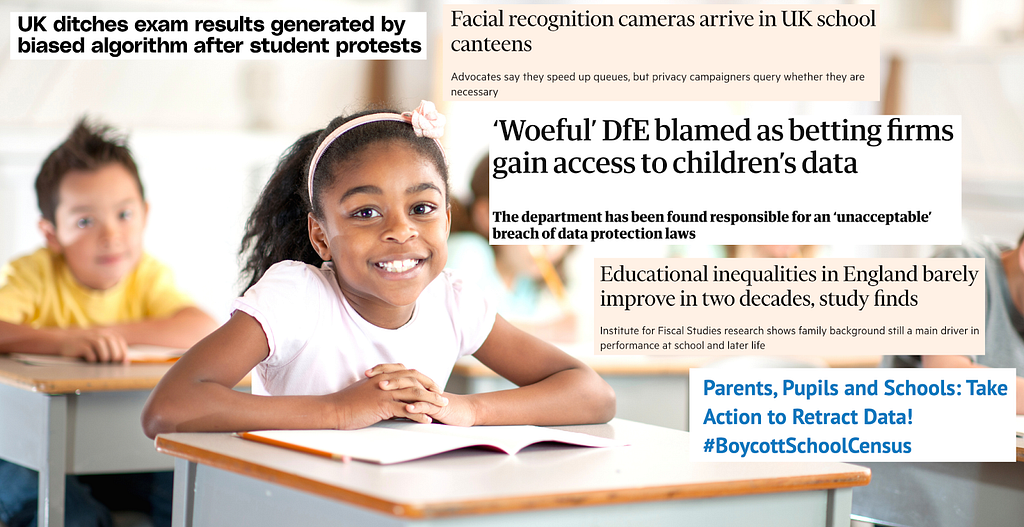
{"type": "Point", "coordinates": [91, 292]}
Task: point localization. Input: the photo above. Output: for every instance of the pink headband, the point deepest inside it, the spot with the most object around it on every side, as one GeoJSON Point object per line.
{"type": "Point", "coordinates": [426, 121]}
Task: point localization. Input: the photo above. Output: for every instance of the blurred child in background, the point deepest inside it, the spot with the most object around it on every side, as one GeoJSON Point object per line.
{"type": "Point", "coordinates": [90, 293]}
{"type": "Point", "coordinates": [527, 282]}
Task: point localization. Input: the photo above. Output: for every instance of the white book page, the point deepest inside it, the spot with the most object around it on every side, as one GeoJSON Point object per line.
{"type": "Point", "coordinates": [509, 439]}
{"type": "Point", "coordinates": [389, 441]}
{"type": "Point", "coordinates": [150, 353]}
{"type": "Point", "coordinates": [373, 444]}
{"type": "Point", "coordinates": [138, 353]}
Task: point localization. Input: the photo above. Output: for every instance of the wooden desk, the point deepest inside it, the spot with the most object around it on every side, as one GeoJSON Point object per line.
{"type": "Point", "coordinates": [221, 479]}
{"type": "Point", "coordinates": [76, 418]}
{"type": "Point", "coordinates": [642, 383]}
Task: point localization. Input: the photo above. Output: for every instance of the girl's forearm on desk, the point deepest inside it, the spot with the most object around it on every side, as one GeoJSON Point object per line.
{"type": "Point", "coordinates": [211, 407]}
{"type": "Point", "coordinates": [572, 396]}
{"type": "Point", "coordinates": [555, 388]}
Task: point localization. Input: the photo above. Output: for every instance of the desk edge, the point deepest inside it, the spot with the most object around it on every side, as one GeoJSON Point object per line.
{"type": "Point", "coordinates": [853, 478]}
{"type": "Point", "coordinates": [69, 386]}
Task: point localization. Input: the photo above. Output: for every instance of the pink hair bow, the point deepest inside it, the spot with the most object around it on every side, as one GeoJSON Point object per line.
{"type": "Point", "coordinates": [426, 120]}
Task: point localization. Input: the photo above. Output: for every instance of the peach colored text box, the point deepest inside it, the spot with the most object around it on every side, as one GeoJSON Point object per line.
{"type": "Point", "coordinates": [898, 306]}
{"type": "Point", "coordinates": [565, 52]}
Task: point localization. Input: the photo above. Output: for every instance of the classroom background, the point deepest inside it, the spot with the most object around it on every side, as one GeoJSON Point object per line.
{"type": "Point", "coordinates": [207, 133]}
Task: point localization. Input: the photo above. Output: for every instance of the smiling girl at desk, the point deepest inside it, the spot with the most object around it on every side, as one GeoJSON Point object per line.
{"type": "Point", "coordinates": [374, 331]}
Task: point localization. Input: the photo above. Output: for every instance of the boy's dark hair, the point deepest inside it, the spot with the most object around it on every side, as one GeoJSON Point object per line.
{"type": "Point", "coordinates": [481, 182]}
{"type": "Point", "coordinates": [277, 228]}
{"type": "Point", "coordinates": [90, 146]}
{"type": "Point", "coordinates": [462, 214]}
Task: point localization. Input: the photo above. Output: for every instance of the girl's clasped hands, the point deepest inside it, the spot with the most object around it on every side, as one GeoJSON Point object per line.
{"type": "Point", "coordinates": [392, 390]}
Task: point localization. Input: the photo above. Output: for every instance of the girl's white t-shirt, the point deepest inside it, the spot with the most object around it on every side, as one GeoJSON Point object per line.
{"type": "Point", "coordinates": [320, 345]}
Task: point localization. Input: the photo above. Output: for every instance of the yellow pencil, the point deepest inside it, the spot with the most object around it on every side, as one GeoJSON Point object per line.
{"type": "Point", "coordinates": [550, 275]}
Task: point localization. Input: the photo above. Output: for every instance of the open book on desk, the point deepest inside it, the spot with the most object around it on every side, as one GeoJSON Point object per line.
{"type": "Point", "coordinates": [390, 442]}
{"type": "Point", "coordinates": [137, 354]}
